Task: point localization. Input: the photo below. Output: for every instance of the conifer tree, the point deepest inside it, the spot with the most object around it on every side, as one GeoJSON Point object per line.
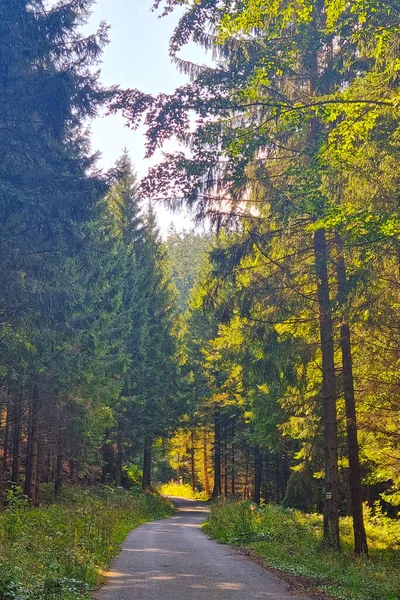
{"type": "Point", "coordinates": [149, 396]}
{"type": "Point", "coordinates": [50, 200]}
{"type": "Point", "coordinates": [281, 80]}
{"type": "Point", "coordinates": [156, 375]}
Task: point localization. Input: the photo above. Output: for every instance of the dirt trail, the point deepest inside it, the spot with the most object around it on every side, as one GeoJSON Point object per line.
{"type": "Point", "coordinates": [173, 560]}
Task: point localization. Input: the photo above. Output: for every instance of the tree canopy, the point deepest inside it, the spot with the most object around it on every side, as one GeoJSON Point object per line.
{"type": "Point", "coordinates": [258, 360]}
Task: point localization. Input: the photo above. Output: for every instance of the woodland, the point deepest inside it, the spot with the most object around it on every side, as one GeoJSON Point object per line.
{"type": "Point", "coordinates": [259, 361]}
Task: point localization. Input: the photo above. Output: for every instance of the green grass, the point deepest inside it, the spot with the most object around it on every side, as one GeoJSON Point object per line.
{"type": "Point", "coordinates": [58, 551]}
{"type": "Point", "coordinates": [290, 540]}
{"type": "Point", "coordinates": [183, 490]}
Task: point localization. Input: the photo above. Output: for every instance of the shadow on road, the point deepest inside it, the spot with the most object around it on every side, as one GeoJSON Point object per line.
{"type": "Point", "coordinates": [172, 559]}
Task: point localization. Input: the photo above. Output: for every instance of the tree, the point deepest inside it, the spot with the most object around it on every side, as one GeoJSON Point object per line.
{"type": "Point", "coordinates": [53, 335]}
{"type": "Point", "coordinates": [186, 251]}
{"type": "Point", "coordinates": [273, 99]}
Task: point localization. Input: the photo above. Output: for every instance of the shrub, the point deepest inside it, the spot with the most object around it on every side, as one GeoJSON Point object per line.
{"type": "Point", "coordinates": [291, 541]}
{"type": "Point", "coordinates": [59, 551]}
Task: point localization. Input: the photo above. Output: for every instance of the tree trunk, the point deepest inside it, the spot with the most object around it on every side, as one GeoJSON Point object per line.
{"type": "Point", "coordinates": [33, 445]}
{"type": "Point", "coordinates": [51, 464]}
{"type": "Point", "coordinates": [217, 453]}
{"type": "Point", "coordinates": [331, 504]}
{"type": "Point", "coordinates": [257, 475]}
{"type": "Point", "coordinates": [108, 468]}
{"type": "Point", "coordinates": [192, 462]}
{"type": "Point", "coordinates": [286, 471]}
{"type": "Point", "coordinates": [233, 460]}
{"type": "Point", "coordinates": [206, 477]}
{"type": "Point", "coordinates": [178, 469]}
{"type": "Point", "coordinates": [58, 451]}
{"type": "Point", "coordinates": [278, 475]}
{"type": "Point", "coordinates": [267, 495]}
{"type": "Point", "coordinates": [118, 458]}
{"type": "Point", "coordinates": [360, 538]}
{"type": "Point", "coordinates": [58, 474]}
{"type": "Point", "coordinates": [17, 437]}
{"type": "Point", "coordinates": [246, 478]}
{"type": "Point", "coordinates": [225, 463]}
{"type": "Point", "coordinates": [147, 457]}
{"type": "Point", "coordinates": [6, 442]}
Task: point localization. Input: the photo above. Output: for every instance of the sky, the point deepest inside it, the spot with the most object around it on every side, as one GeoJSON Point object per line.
{"type": "Point", "coordinates": [137, 57]}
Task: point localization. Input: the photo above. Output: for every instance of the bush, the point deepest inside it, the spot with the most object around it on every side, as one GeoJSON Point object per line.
{"type": "Point", "coordinates": [59, 551]}
{"type": "Point", "coordinates": [133, 475]}
{"type": "Point", "coordinates": [291, 541]}
{"type": "Point", "coordinates": [232, 522]}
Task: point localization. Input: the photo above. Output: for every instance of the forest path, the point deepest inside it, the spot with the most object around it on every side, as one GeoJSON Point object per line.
{"type": "Point", "coordinates": [172, 559]}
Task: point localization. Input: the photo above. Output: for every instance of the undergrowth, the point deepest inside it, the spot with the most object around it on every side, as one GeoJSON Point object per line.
{"type": "Point", "coordinates": [291, 541]}
{"type": "Point", "coordinates": [182, 490]}
{"type": "Point", "coordinates": [58, 551]}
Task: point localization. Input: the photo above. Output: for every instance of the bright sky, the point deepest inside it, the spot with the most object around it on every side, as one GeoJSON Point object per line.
{"type": "Point", "coordinates": [137, 57]}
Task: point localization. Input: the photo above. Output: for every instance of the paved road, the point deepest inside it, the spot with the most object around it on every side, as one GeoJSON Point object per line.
{"type": "Point", "coordinates": [173, 560]}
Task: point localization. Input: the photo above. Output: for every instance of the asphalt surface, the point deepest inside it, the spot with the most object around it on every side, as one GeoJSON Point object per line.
{"type": "Point", "coordinates": [173, 560]}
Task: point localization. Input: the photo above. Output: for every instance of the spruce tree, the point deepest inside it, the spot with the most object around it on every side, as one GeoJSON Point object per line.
{"type": "Point", "coordinates": [271, 100]}
{"type": "Point", "coordinates": [50, 199]}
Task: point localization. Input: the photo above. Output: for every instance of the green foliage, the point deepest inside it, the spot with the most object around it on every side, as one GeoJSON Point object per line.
{"type": "Point", "coordinates": [16, 503]}
{"type": "Point", "coordinates": [301, 492]}
{"type": "Point", "coordinates": [60, 550]}
{"type": "Point", "coordinates": [297, 134]}
{"type": "Point", "coordinates": [231, 523]}
{"type": "Point", "coordinates": [186, 252]}
{"type": "Point", "coordinates": [290, 540]}
{"type": "Point", "coordinates": [61, 275]}
{"type": "Point", "coordinates": [134, 474]}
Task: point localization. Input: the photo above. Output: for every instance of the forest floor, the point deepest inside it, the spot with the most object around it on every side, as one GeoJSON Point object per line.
{"type": "Point", "coordinates": [59, 550]}
{"type": "Point", "coordinates": [173, 560]}
{"type": "Point", "coordinates": [289, 542]}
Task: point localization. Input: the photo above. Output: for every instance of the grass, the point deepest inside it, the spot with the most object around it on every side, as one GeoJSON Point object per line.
{"type": "Point", "coordinates": [290, 540]}
{"type": "Point", "coordinates": [182, 490]}
{"type": "Point", "coordinates": [58, 551]}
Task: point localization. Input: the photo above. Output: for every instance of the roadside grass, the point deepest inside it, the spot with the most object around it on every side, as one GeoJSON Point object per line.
{"type": "Point", "coordinates": [59, 550]}
{"type": "Point", "coordinates": [290, 540]}
{"type": "Point", "coordinates": [183, 490]}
